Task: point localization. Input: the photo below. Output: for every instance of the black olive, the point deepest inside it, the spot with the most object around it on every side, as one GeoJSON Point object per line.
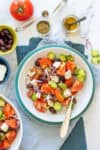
{"type": "Point", "coordinates": [3, 48]}
{"type": "Point", "coordinates": [61, 78]}
{"type": "Point", "coordinates": [8, 46]}
{"type": "Point", "coordinates": [2, 33]}
{"type": "Point", "coordinates": [9, 36]}
{"type": "Point", "coordinates": [6, 31]}
{"type": "Point", "coordinates": [29, 86]}
{"type": "Point", "coordinates": [37, 62]}
{"type": "Point", "coordinates": [74, 100]}
{"type": "Point", "coordinates": [10, 42]}
{"type": "Point", "coordinates": [57, 59]}
{"type": "Point", "coordinates": [1, 42]}
{"type": "Point", "coordinates": [52, 110]}
{"type": "Point", "coordinates": [43, 78]}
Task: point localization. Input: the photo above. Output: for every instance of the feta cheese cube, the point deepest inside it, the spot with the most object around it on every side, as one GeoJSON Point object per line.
{"type": "Point", "coordinates": [57, 64]}
{"type": "Point", "coordinates": [68, 74]}
{"type": "Point", "coordinates": [31, 74]}
{"type": "Point", "coordinates": [50, 103]}
{"type": "Point", "coordinates": [4, 127]}
{"type": "Point", "coordinates": [48, 97]}
{"type": "Point", "coordinates": [33, 82]}
{"type": "Point", "coordinates": [54, 78]}
{"type": "Point", "coordinates": [67, 93]}
{"type": "Point", "coordinates": [3, 71]}
{"type": "Point", "coordinates": [38, 95]}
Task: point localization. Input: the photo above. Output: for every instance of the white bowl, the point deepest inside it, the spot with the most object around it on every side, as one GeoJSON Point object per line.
{"type": "Point", "coordinates": [84, 97]}
{"type": "Point", "coordinates": [16, 143]}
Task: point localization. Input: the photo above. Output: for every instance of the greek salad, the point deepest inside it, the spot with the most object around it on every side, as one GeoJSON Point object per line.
{"type": "Point", "coordinates": [9, 124]}
{"type": "Point", "coordinates": [52, 81]}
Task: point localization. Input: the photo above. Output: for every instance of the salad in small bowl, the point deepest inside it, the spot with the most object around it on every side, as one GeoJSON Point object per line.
{"type": "Point", "coordinates": [10, 125]}
{"type": "Point", "coordinates": [48, 78]}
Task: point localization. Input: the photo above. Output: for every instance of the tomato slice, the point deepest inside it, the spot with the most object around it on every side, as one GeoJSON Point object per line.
{"type": "Point", "coordinates": [47, 89]}
{"type": "Point", "coordinates": [59, 95]}
{"type": "Point", "coordinates": [69, 82]}
{"type": "Point", "coordinates": [77, 86]}
{"type": "Point", "coordinates": [8, 111]}
{"type": "Point", "coordinates": [66, 102]}
{"type": "Point", "coordinates": [70, 65]}
{"type": "Point", "coordinates": [5, 144]}
{"type": "Point", "coordinates": [12, 123]}
{"type": "Point", "coordinates": [10, 136]}
{"type": "Point", "coordinates": [61, 71]}
{"type": "Point", "coordinates": [1, 146]}
{"type": "Point", "coordinates": [40, 105]}
{"type": "Point", "coordinates": [45, 62]}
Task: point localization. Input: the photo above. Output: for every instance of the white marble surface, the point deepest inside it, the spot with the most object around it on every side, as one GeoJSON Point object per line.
{"type": "Point", "coordinates": [91, 117]}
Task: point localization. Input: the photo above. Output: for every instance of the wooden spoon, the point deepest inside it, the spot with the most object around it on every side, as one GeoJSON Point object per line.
{"type": "Point", "coordinates": [65, 125]}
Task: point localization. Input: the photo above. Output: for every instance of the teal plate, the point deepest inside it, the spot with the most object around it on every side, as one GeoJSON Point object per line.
{"type": "Point", "coordinates": [43, 50]}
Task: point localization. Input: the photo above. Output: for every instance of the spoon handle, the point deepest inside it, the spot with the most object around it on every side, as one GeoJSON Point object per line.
{"type": "Point", "coordinates": [65, 124]}
{"type": "Point", "coordinates": [78, 21]}
{"type": "Point", "coordinates": [26, 24]}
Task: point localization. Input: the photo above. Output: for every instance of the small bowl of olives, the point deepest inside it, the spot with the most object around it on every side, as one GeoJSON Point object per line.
{"type": "Point", "coordinates": [8, 39]}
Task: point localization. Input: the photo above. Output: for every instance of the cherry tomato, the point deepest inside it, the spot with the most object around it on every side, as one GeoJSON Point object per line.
{"type": "Point", "coordinates": [21, 9]}
{"type": "Point", "coordinates": [70, 65]}
{"type": "Point", "coordinates": [8, 111]}
{"type": "Point", "coordinates": [69, 82]}
{"type": "Point", "coordinates": [66, 102]}
{"type": "Point", "coordinates": [47, 89]}
{"type": "Point", "coordinates": [10, 136]}
{"type": "Point", "coordinates": [61, 71]}
{"type": "Point", "coordinates": [40, 105]}
{"type": "Point", "coordinates": [5, 144]}
{"type": "Point", "coordinates": [77, 86]}
{"type": "Point", "coordinates": [12, 123]}
{"type": "Point", "coordinates": [59, 95]}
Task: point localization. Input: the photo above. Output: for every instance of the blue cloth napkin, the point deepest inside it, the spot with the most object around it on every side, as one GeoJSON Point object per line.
{"type": "Point", "coordinates": [76, 140]}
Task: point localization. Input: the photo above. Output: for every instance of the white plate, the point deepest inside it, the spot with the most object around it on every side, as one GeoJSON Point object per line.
{"type": "Point", "coordinates": [83, 98]}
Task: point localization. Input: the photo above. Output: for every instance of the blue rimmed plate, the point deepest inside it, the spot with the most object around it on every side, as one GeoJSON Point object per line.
{"type": "Point", "coordinates": [84, 98]}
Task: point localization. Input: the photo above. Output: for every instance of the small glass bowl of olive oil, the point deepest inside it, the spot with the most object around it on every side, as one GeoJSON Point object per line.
{"type": "Point", "coordinates": [69, 20]}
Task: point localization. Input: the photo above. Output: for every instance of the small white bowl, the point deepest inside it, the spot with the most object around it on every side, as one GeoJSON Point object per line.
{"type": "Point", "coordinates": [45, 34]}
{"type": "Point", "coordinates": [16, 143]}
{"type": "Point", "coordinates": [84, 97]}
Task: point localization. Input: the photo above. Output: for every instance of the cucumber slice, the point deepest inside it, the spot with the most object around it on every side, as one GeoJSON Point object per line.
{"type": "Point", "coordinates": [76, 71]}
{"type": "Point", "coordinates": [70, 57]}
{"type": "Point", "coordinates": [2, 116]}
{"type": "Point", "coordinates": [52, 84]}
{"type": "Point", "coordinates": [1, 112]}
{"type": "Point", "coordinates": [57, 106]}
{"type": "Point", "coordinates": [94, 60]}
{"type": "Point", "coordinates": [99, 59]}
{"type": "Point", "coordinates": [82, 72]}
{"type": "Point", "coordinates": [94, 53]}
{"type": "Point", "coordinates": [34, 97]}
{"type": "Point", "coordinates": [2, 102]}
{"type": "Point", "coordinates": [63, 86]}
{"type": "Point", "coordinates": [81, 78]}
{"type": "Point", "coordinates": [51, 55]}
{"type": "Point", "coordinates": [63, 57]}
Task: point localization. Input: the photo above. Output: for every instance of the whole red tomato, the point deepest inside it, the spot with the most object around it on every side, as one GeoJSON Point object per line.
{"type": "Point", "coordinates": [21, 9]}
